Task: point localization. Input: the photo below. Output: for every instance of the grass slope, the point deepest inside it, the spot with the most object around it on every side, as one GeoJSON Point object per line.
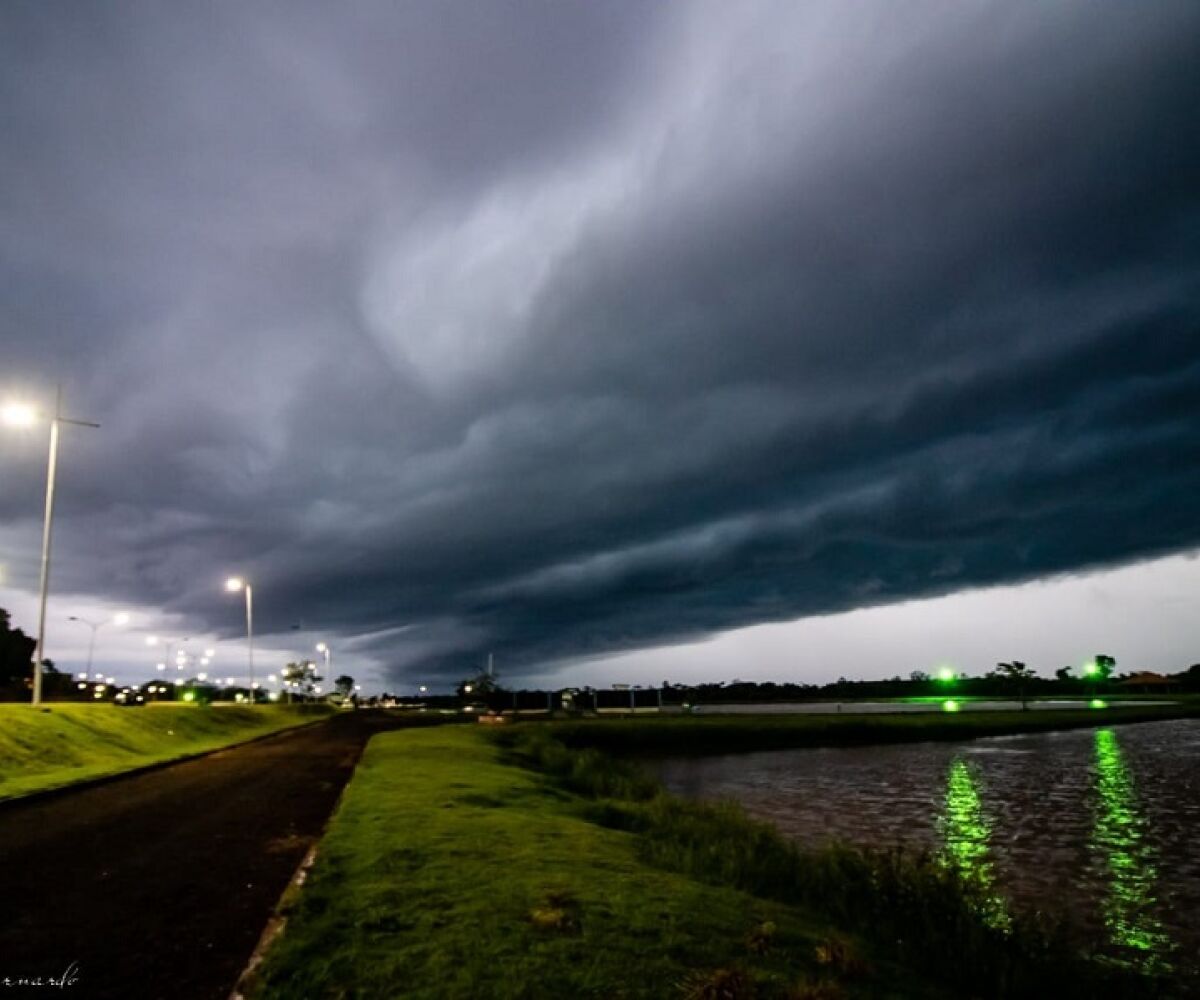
{"type": "Point", "coordinates": [52, 746]}
{"type": "Point", "coordinates": [447, 872]}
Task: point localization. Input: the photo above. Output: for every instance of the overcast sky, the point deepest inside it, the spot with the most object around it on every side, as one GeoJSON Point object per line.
{"type": "Point", "coordinates": [602, 335]}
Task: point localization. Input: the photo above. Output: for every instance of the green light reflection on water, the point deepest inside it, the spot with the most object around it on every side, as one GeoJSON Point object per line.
{"type": "Point", "coordinates": [1118, 837]}
{"type": "Point", "coordinates": [966, 833]}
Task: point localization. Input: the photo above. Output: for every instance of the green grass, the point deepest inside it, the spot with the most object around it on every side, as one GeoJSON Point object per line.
{"type": "Point", "coordinates": [449, 872]}
{"type": "Point", "coordinates": [917, 909]}
{"type": "Point", "coordinates": [503, 865]}
{"type": "Point", "coordinates": [650, 735]}
{"type": "Point", "coordinates": [53, 746]}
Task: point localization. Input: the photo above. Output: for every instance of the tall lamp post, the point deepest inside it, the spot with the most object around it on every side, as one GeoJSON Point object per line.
{"type": "Point", "coordinates": [117, 619]}
{"type": "Point", "coordinates": [233, 585]}
{"type": "Point", "coordinates": [24, 415]}
{"type": "Point", "coordinates": [325, 651]}
{"type": "Point", "coordinates": [153, 640]}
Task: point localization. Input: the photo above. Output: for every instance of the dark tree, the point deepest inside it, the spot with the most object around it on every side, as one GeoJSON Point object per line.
{"type": "Point", "coordinates": [16, 652]}
{"type": "Point", "coordinates": [1016, 674]}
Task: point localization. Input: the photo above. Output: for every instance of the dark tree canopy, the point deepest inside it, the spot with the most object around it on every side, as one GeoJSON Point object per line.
{"type": "Point", "coordinates": [16, 651]}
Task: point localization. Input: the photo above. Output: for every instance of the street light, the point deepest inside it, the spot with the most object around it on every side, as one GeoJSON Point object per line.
{"type": "Point", "coordinates": [324, 650]}
{"type": "Point", "coordinates": [233, 585]}
{"type": "Point", "coordinates": [154, 640]}
{"type": "Point", "coordinates": [23, 415]}
{"type": "Point", "coordinates": [118, 619]}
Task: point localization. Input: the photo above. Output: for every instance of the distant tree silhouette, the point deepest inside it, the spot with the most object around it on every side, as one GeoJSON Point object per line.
{"type": "Point", "coordinates": [1017, 674]}
{"type": "Point", "coordinates": [477, 685]}
{"type": "Point", "coordinates": [1064, 674]}
{"type": "Point", "coordinates": [302, 676]}
{"type": "Point", "coordinates": [16, 652]}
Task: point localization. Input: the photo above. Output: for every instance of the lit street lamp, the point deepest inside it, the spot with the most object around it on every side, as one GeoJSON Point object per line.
{"type": "Point", "coordinates": [153, 640]}
{"type": "Point", "coordinates": [24, 415]}
{"type": "Point", "coordinates": [324, 650]}
{"type": "Point", "coordinates": [117, 619]}
{"type": "Point", "coordinates": [233, 585]}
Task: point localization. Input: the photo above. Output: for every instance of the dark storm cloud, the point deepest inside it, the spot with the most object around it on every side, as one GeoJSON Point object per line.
{"type": "Point", "coordinates": [560, 329]}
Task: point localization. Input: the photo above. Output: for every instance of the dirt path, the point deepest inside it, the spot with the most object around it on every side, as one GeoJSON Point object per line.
{"type": "Point", "coordinates": [159, 885]}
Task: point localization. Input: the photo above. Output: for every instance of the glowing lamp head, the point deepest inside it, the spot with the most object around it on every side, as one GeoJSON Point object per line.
{"type": "Point", "coordinates": [18, 415]}
{"type": "Point", "coordinates": [121, 618]}
{"type": "Point", "coordinates": [151, 640]}
{"type": "Point", "coordinates": [321, 647]}
{"type": "Point", "coordinates": [234, 584]}
{"type": "Point", "coordinates": [945, 675]}
{"type": "Point", "coordinates": [1090, 670]}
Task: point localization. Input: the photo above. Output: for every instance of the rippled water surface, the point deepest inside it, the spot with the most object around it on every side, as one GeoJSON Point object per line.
{"type": "Point", "coordinates": [1099, 824]}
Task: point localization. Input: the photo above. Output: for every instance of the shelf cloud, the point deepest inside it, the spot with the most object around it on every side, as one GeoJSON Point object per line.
{"type": "Point", "coordinates": [563, 330]}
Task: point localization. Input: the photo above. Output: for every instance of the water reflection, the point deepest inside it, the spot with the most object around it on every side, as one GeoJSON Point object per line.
{"type": "Point", "coordinates": [966, 832]}
{"type": "Point", "coordinates": [1061, 821]}
{"type": "Point", "coordinates": [1119, 839]}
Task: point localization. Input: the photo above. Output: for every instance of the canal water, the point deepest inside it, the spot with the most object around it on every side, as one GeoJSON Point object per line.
{"type": "Point", "coordinates": [915, 705]}
{"type": "Point", "coordinates": [1099, 826]}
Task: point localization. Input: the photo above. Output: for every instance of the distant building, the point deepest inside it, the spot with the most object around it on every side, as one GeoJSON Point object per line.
{"type": "Point", "coordinates": [1148, 682]}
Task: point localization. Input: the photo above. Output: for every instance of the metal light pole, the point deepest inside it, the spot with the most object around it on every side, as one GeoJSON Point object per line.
{"type": "Point", "coordinates": [233, 585]}
{"type": "Point", "coordinates": [153, 640]}
{"type": "Point", "coordinates": [119, 619]}
{"type": "Point", "coordinates": [324, 650]}
{"type": "Point", "coordinates": [20, 415]}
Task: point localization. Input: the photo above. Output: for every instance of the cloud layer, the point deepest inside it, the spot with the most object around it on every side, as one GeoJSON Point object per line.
{"type": "Point", "coordinates": [567, 329]}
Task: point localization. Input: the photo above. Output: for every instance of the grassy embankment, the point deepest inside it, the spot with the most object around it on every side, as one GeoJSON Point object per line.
{"type": "Point", "coordinates": [57, 745]}
{"type": "Point", "coordinates": [463, 866]}
{"type": "Point", "coordinates": [649, 735]}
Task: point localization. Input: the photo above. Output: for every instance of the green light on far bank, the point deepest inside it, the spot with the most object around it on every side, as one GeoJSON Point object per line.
{"type": "Point", "coordinates": [946, 675]}
{"type": "Point", "coordinates": [189, 695]}
{"type": "Point", "coordinates": [1097, 703]}
{"type": "Point", "coordinates": [1090, 670]}
{"type": "Point", "coordinates": [950, 706]}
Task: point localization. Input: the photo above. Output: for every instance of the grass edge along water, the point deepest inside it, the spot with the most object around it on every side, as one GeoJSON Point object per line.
{"type": "Point", "coordinates": [500, 863]}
